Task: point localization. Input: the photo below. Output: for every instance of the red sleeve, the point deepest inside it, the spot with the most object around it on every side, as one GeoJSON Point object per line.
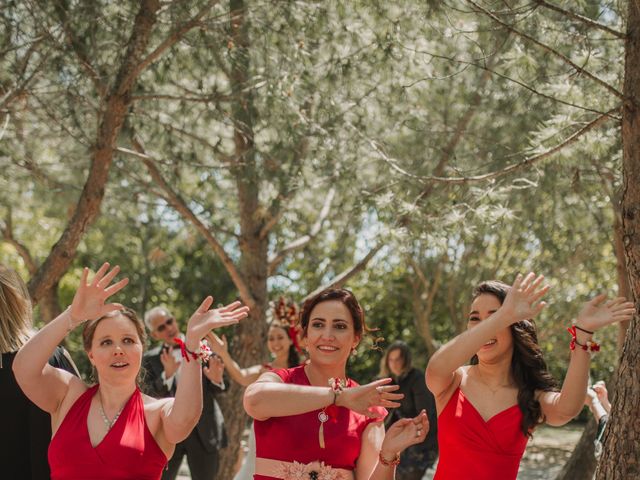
{"type": "Point", "coordinates": [380, 411]}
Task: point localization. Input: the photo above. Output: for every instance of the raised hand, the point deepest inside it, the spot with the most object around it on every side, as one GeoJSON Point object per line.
{"type": "Point", "coordinates": [89, 301]}
{"type": "Point", "coordinates": [218, 345]}
{"type": "Point", "coordinates": [204, 320]}
{"type": "Point", "coordinates": [214, 370]}
{"type": "Point", "coordinates": [522, 301]}
{"type": "Point", "coordinates": [597, 313]}
{"type": "Point", "coordinates": [169, 363]}
{"type": "Point", "coordinates": [404, 433]}
{"type": "Point", "coordinates": [375, 394]}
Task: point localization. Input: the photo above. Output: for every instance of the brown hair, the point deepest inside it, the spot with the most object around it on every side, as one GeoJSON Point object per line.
{"type": "Point", "coordinates": [528, 367]}
{"type": "Point", "coordinates": [90, 327]}
{"type": "Point", "coordinates": [16, 318]}
{"type": "Point", "coordinates": [405, 354]}
{"type": "Point", "coordinates": [346, 297]}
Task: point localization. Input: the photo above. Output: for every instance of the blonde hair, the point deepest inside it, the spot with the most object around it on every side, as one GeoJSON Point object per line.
{"type": "Point", "coordinates": [15, 311]}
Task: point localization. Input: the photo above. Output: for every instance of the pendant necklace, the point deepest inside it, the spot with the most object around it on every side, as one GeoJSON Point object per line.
{"type": "Point", "coordinates": [108, 423]}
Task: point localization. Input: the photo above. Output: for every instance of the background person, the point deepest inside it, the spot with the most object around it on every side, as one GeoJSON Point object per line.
{"type": "Point", "coordinates": [163, 365]}
{"type": "Point", "coordinates": [396, 363]}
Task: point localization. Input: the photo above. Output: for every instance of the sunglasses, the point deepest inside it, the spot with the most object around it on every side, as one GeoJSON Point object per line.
{"type": "Point", "coordinates": [163, 326]}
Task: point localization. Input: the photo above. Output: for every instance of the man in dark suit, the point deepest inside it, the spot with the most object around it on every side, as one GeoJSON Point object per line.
{"type": "Point", "coordinates": [162, 365]}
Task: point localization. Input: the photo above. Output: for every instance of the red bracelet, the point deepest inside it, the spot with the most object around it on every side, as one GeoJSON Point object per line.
{"type": "Point", "coordinates": [395, 461]}
{"type": "Point", "coordinates": [203, 355]}
{"type": "Point", "coordinates": [592, 346]}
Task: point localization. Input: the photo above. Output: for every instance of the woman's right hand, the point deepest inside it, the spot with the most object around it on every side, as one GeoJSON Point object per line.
{"type": "Point", "coordinates": [218, 345]}
{"type": "Point", "coordinates": [204, 320]}
{"type": "Point", "coordinates": [375, 394]}
{"type": "Point", "coordinates": [89, 301]}
{"type": "Point", "coordinates": [522, 300]}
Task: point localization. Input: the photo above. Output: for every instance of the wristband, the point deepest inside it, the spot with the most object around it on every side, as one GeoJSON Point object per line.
{"type": "Point", "coordinates": [389, 463]}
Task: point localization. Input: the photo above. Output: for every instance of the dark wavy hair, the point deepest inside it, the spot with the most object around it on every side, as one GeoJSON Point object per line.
{"type": "Point", "coordinates": [528, 367]}
{"type": "Point", "coordinates": [293, 359]}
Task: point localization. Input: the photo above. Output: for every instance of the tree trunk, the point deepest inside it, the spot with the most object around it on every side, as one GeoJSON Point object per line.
{"type": "Point", "coordinates": [621, 456]}
{"type": "Point", "coordinates": [49, 305]}
{"type": "Point", "coordinates": [110, 119]}
{"type": "Point", "coordinates": [582, 462]}
{"type": "Point", "coordinates": [250, 347]}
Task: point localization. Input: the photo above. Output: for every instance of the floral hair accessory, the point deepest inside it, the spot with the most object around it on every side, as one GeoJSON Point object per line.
{"type": "Point", "coordinates": [285, 314]}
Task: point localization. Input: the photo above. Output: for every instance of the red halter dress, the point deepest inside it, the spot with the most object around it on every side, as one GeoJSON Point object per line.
{"type": "Point", "coordinates": [295, 438]}
{"type": "Point", "coordinates": [127, 452]}
{"type": "Point", "coordinates": [472, 448]}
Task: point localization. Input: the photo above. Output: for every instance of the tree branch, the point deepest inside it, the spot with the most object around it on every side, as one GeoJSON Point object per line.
{"type": "Point", "coordinates": [110, 122]}
{"type": "Point", "coordinates": [183, 209]}
{"type": "Point", "coordinates": [580, 18]}
{"type": "Point", "coordinates": [23, 251]}
{"type": "Point", "coordinates": [173, 38]}
{"type": "Point", "coordinates": [500, 173]}
{"type": "Point", "coordinates": [304, 240]}
{"type": "Point", "coordinates": [76, 46]}
{"type": "Point", "coordinates": [559, 55]}
{"type": "Point", "coordinates": [346, 275]}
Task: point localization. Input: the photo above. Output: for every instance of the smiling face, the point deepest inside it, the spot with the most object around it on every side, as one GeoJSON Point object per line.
{"type": "Point", "coordinates": [116, 349]}
{"type": "Point", "coordinates": [278, 342]}
{"type": "Point", "coordinates": [501, 345]}
{"type": "Point", "coordinates": [330, 334]}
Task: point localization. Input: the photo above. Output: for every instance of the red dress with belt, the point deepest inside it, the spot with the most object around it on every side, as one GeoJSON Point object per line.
{"type": "Point", "coordinates": [472, 448]}
{"type": "Point", "coordinates": [295, 437]}
{"type": "Point", "coordinates": [127, 452]}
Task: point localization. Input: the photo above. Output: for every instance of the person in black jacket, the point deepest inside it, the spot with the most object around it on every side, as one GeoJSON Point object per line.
{"type": "Point", "coordinates": [396, 364]}
{"type": "Point", "coordinates": [162, 374]}
{"type": "Point", "coordinates": [26, 429]}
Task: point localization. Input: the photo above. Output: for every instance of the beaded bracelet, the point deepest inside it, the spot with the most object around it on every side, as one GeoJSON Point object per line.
{"type": "Point", "coordinates": [395, 461]}
{"type": "Point", "coordinates": [591, 346]}
{"type": "Point", "coordinates": [203, 354]}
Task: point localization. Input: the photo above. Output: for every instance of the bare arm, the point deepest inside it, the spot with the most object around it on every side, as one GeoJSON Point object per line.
{"type": "Point", "coordinates": [270, 397]}
{"type": "Point", "coordinates": [47, 386]}
{"type": "Point", "coordinates": [559, 408]}
{"type": "Point", "coordinates": [181, 415]}
{"type": "Point", "coordinates": [375, 443]}
{"type": "Point", "coordinates": [520, 304]}
{"type": "Point", "coordinates": [243, 376]}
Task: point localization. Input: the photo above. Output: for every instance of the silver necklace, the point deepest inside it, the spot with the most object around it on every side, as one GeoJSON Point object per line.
{"type": "Point", "coordinates": [105, 419]}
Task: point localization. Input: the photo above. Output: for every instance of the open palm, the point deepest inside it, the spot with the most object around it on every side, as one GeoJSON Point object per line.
{"type": "Point", "coordinates": [89, 301]}
{"type": "Point", "coordinates": [205, 319]}
{"type": "Point", "coordinates": [522, 301]}
{"type": "Point", "coordinates": [597, 313]}
{"type": "Point", "coordinates": [406, 432]}
{"type": "Point", "coordinates": [375, 394]}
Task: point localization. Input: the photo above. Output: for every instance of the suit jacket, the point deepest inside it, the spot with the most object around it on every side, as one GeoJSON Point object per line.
{"type": "Point", "coordinates": [210, 428]}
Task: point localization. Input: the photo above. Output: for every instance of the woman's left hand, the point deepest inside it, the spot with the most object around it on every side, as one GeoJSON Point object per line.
{"type": "Point", "coordinates": [204, 320]}
{"type": "Point", "coordinates": [404, 433]}
{"type": "Point", "coordinates": [597, 313]}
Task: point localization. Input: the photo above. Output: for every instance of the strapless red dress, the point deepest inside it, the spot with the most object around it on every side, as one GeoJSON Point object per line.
{"type": "Point", "coordinates": [474, 449]}
{"type": "Point", "coordinates": [295, 437]}
{"type": "Point", "coordinates": [127, 452]}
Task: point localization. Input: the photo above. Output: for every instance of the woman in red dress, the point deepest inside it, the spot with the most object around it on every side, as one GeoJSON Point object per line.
{"type": "Point", "coordinates": [487, 410]}
{"type": "Point", "coordinates": [311, 422]}
{"type": "Point", "coordinates": [111, 430]}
